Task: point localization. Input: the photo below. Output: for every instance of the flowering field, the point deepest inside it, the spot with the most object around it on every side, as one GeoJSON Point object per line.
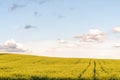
{"type": "Point", "coordinates": [27, 67]}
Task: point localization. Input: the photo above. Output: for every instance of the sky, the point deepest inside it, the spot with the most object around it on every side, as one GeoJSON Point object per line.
{"type": "Point", "coordinates": [61, 28]}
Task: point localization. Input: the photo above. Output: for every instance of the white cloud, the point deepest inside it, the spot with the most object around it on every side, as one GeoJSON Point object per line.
{"type": "Point", "coordinates": [12, 46]}
{"type": "Point", "coordinates": [92, 35]}
{"type": "Point", "coordinates": [116, 29]}
{"type": "Point", "coordinates": [68, 44]}
{"type": "Point", "coordinates": [117, 45]}
{"type": "Point", "coordinates": [62, 41]}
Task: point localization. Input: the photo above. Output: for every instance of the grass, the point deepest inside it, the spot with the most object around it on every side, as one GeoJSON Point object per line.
{"type": "Point", "coordinates": [27, 67]}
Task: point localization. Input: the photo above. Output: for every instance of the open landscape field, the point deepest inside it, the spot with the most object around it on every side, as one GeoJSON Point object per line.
{"type": "Point", "coordinates": [27, 67]}
{"type": "Point", "coordinates": [59, 39]}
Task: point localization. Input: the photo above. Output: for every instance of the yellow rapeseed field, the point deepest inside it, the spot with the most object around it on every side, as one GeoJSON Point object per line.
{"type": "Point", "coordinates": [28, 67]}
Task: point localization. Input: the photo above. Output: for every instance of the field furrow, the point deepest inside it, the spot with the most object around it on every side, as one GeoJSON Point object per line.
{"type": "Point", "coordinates": [26, 67]}
{"type": "Point", "coordinates": [84, 70]}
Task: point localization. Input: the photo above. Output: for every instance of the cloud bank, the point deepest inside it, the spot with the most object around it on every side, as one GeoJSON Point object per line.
{"type": "Point", "coordinates": [92, 35]}
{"type": "Point", "coordinates": [12, 46]}
{"type": "Point", "coordinates": [116, 29]}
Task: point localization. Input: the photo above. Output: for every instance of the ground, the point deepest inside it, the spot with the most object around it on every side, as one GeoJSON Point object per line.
{"type": "Point", "coordinates": [28, 67]}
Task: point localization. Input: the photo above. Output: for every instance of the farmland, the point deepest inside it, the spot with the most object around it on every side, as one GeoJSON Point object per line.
{"type": "Point", "coordinates": [28, 67]}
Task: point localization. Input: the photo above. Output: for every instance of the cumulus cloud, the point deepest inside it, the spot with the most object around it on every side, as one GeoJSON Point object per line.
{"type": "Point", "coordinates": [116, 29]}
{"type": "Point", "coordinates": [92, 35]}
{"type": "Point", "coordinates": [12, 46]}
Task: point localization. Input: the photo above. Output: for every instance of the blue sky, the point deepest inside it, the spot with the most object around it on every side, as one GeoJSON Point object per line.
{"type": "Point", "coordinates": [49, 20]}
